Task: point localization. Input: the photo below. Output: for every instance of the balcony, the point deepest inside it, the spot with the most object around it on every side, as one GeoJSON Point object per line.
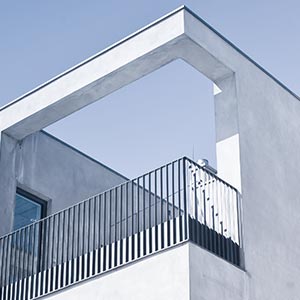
{"type": "Point", "coordinates": [175, 203]}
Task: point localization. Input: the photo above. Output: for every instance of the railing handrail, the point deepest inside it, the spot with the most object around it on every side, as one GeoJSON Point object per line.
{"type": "Point", "coordinates": [178, 201]}
{"type": "Point", "coordinates": [96, 195]}
{"type": "Point", "coordinates": [211, 173]}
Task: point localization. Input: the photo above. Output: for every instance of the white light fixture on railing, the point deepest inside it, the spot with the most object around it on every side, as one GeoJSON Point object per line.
{"type": "Point", "coordinates": [204, 163]}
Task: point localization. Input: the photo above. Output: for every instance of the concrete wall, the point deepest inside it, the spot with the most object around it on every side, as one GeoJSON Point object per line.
{"type": "Point", "coordinates": [158, 277]}
{"type": "Point", "coordinates": [269, 124]}
{"type": "Point", "coordinates": [185, 271]}
{"type": "Point", "coordinates": [264, 146]}
{"type": "Point", "coordinates": [212, 278]}
{"type": "Point", "coordinates": [51, 170]}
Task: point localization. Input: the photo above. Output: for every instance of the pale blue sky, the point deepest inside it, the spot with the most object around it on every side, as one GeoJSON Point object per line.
{"type": "Point", "coordinates": [166, 114]}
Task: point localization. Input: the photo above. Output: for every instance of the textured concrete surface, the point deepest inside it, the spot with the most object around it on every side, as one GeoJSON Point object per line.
{"type": "Point", "coordinates": [183, 272]}
{"type": "Point", "coordinates": [157, 277]}
{"type": "Point", "coordinates": [51, 170]}
{"type": "Point", "coordinates": [212, 278]}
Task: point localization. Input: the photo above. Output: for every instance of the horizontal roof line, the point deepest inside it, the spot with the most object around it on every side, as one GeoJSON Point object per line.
{"type": "Point", "coordinates": [93, 57]}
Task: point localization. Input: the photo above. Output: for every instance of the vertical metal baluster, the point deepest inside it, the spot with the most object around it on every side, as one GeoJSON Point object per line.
{"type": "Point", "coordinates": [229, 238]}
{"type": "Point", "coordinates": [24, 263]}
{"type": "Point", "coordinates": [100, 234]}
{"type": "Point", "coordinates": [138, 218]}
{"type": "Point", "coordinates": [57, 250]}
{"type": "Point", "coordinates": [213, 229]}
{"type": "Point", "coordinates": [222, 222]}
{"type": "Point", "coordinates": [9, 256]}
{"type": "Point", "coordinates": [234, 225]}
{"type": "Point", "coordinates": [120, 225]}
{"type": "Point", "coordinates": [215, 215]}
{"type": "Point", "coordinates": [206, 232]}
{"type": "Point", "coordinates": [68, 257]}
{"type": "Point", "coordinates": [127, 221]}
{"type": "Point", "coordinates": [208, 210]}
{"type": "Point", "coordinates": [63, 250]}
{"type": "Point", "coordinates": [219, 200]}
{"type": "Point", "coordinates": [220, 215]}
{"type": "Point", "coordinates": [116, 227]}
{"type": "Point", "coordinates": [231, 230]}
{"type": "Point", "coordinates": [162, 227]}
{"type": "Point", "coordinates": [79, 241]}
{"type": "Point", "coordinates": [37, 258]}
{"type": "Point", "coordinates": [104, 231]}
{"type": "Point", "coordinates": [110, 231]}
{"type": "Point", "coordinates": [72, 244]}
{"type": "Point", "coordinates": [132, 221]}
{"type": "Point", "coordinates": [185, 211]}
{"type": "Point", "coordinates": [173, 203]}
{"type": "Point", "coordinates": [51, 251]}
{"type": "Point", "coordinates": [84, 244]}
{"type": "Point", "coordinates": [226, 223]}
{"type": "Point", "coordinates": [55, 261]}
{"type": "Point", "coordinates": [195, 232]}
{"type": "Point", "coordinates": [155, 210]}
{"type": "Point", "coordinates": [168, 207]}
{"type": "Point", "coordinates": [41, 255]}
{"type": "Point", "coordinates": [19, 270]}
{"type": "Point", "coordinates": [89, 238]}
{"type": "Point", "coordinates": [215, 209]}
{"type": "Point", "coordinates": [14, 266]}
{"type": "Point", "coordinates": [8, 265]}
{"type": "Point", "coordinates": [33, 273]}
{"type": "Point", "coordinates": [27, 269]}
{"type": "Point", "coordinates": [144, 216]}
{"type": "Point", "coordinates": [209, 214]}
{"type": "Point", "coordinates": [94, 234]}
{"type": "Point", "coordinates": [46, 254]}
{"type": "Point", "coordinates": [179, 200]}
{"type": "Point", "coordinates": [149, 213]}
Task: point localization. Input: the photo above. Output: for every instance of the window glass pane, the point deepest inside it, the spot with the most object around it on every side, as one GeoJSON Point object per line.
{"type": "Point", "coordinates": [27, 211]}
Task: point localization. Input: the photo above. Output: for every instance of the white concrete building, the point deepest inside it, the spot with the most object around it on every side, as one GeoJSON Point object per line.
{"type": "Point", "coordinates": [73, 228]}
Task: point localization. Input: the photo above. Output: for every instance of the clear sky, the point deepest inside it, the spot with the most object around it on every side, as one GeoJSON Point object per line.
{"type": "Point", "coordinates": [162, 116]}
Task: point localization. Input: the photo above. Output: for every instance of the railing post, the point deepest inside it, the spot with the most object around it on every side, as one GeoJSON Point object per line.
{"type": "Point", "coordinates": [185, 204]}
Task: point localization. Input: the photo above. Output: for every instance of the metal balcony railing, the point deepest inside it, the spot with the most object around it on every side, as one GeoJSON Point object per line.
{"type": "Point", "coordinates": [177, 202]}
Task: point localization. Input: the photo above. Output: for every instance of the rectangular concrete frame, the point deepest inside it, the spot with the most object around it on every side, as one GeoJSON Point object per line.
{"type": "Point", "coordinates": [257, 129]}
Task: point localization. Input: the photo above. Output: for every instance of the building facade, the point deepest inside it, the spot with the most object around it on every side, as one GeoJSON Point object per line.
{"type": "Point", "coordinates": [74, 228]}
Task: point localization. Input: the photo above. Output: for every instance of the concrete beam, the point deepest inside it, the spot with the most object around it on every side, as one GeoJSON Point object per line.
{"type": "Point", "coordinates": [177, 35]}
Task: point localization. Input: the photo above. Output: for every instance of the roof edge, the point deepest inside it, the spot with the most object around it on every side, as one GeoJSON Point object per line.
{"type": "Point", "coordinates": [183, 7]}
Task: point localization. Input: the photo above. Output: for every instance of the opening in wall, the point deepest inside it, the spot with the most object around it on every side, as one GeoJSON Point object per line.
{"type": "Point", "coordinates": [28, 209]}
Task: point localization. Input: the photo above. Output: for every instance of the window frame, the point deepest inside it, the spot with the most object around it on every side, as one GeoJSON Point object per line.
{"type": "Point", "coordinates": [34, 198]}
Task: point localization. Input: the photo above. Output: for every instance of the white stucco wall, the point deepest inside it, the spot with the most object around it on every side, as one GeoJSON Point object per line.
{"type": "Point", "coordinates": [213, 278]}
{"type": "Point", "coordinates": [185, 271]}
{"type": "Point", "coordinates": [50, 169]}
{"type": "Point", "coordinates": [161, 276]}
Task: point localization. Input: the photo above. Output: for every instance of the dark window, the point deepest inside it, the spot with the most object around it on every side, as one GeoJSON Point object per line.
{"type": "Point", "coordinates": [28, 209]}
